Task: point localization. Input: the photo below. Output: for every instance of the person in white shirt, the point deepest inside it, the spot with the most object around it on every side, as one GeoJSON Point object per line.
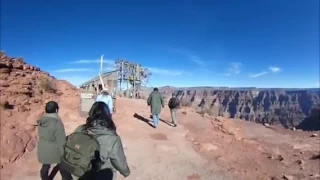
{"type": "Point", "coordinates": [105, 97]}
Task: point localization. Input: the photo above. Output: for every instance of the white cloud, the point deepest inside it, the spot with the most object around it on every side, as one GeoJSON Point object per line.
{"type": "Point", "coordinates": [165, 72]}
{"type": "Point", "coordinates": [86, 61]}
{"type": "Point", "coordinates": [274, 69]}
{"type": "Point", "coordinates": [74, 70]}
{"type": "Point", "coordinates": [110, 68]}
{"type": "Point", "coordinates": [259, 74]}
{"type": "Point", "coordinates": [271, 69]}
{"type": "Point", "coordinates": [235, 68]}
{"type": "Point", "coordinates": [196, 59]}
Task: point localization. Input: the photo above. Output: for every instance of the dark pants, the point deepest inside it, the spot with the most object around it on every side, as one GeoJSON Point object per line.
{"type": "Point", "coordinates": [44, 172]}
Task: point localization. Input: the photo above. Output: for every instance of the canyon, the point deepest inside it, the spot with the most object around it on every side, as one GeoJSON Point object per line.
{"type": "Point", "coordinates": [286, 107]}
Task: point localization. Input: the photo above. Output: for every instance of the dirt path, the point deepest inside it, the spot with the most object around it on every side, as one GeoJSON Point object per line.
{"type": "Point", "coordinates": [162, 153]}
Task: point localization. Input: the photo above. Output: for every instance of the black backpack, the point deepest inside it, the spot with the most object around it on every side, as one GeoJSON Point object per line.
{"type": "Point", "coordinates": [173, 103]}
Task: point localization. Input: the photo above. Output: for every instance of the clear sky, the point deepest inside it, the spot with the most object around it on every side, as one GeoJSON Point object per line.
{"type": "Point", "coordinates": [235, 43]}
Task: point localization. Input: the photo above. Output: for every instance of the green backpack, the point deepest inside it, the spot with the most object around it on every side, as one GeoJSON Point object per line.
{"type": "Point", "coordinates": [80, 151]}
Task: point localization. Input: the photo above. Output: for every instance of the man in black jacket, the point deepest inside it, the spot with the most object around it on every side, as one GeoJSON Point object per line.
{"type": "Point", "coordinates": [174, 105]}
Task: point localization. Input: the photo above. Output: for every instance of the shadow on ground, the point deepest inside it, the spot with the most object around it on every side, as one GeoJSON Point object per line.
{"type": "Point", "coordinates": [149, 121]}
{"type": "Point", "coordinates": [141, 118]}
{"type": "Point", "coordinates": [54, 172]}
{"type": "Point", "coordinates": [315, 157]}
{"type": "Point", "coordinates": [6, 105]}
{"type": "Point", "coordinates": [164, 121]}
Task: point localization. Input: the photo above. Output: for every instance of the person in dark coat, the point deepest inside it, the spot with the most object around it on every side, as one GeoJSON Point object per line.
{"type": "Point", "coordinates": [174, 104]}
{"type": "Point", "coordinates": [112, 155]}
{"type": "Point", "coordinates": [52, 138]}
{"type": "Point", "coordinates": [155, 101]}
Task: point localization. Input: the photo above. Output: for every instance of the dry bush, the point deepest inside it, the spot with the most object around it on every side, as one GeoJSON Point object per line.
{"type": "Point", "coordinates": [211, 111]}
{"type": "Point", "coordinates": [165, 100]}
{"type": "Point", "coordinates": [5, 105]}
{"type": "Point", "coordinates": [48, 86]}
{"type": "Point", "coordinates": [185, 103]}
{"type": "Point", "coordinates": [202, 111]}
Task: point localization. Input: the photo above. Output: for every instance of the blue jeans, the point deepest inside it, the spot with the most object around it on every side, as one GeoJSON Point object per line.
{"type": "Point", "coordinates": [156, 120]}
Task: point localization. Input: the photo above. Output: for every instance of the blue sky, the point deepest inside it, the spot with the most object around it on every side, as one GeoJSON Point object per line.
{"type": "Point", "coordinates": [261, 43]}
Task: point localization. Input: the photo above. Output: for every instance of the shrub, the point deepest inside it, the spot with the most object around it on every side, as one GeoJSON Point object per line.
{"type": "Point", "coordinates": [48, 86]}
{"type": "Point", "coordinates": [5, 105]}
{"type": "Point", "coordinates": [185, 103]}
{"type": "Point", "coordinates": [211, 111]}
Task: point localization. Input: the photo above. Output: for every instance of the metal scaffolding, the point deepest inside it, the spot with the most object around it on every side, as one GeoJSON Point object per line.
{"type": "Point", "coordinates": [133, 75]}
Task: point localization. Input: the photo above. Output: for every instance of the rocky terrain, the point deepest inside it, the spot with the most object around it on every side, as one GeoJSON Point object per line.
{"type": "Point", "coordinates": [288, 108]}
{"type": "Point", "coordinates": [202, 147]}
{"type": "Point", "coordinates": [24, 89]}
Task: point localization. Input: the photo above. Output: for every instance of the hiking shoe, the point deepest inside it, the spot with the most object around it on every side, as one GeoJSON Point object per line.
{"type": "Point", "coordinates": [174, 125]}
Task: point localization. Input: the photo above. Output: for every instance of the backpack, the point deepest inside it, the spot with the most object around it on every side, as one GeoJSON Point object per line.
{"type": "Point", "coordinates": [80, 151]}
{"type": "Point", "coordinates": [173, 103]}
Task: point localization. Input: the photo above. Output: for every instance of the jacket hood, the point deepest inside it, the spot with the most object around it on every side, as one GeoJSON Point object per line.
{"type": "Point", "coordinates": [99, 130]}
{"type": "Point", "coordinates": [47, 119]}
{"type": "Point", "coordinates": [155, 92]}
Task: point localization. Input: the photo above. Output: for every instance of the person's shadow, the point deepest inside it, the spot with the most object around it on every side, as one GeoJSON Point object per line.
{"type": "Point", "coordinates": [141, 118]}
{"type": "Point", "coordinates": [149, 121]}
{"type": "Point", "coordinates": [166, 122]}
{"type": "Point", "coordinates": [54, 171]}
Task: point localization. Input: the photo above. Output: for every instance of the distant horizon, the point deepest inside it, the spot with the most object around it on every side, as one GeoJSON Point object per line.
{"type": "Point", "coordinates": [302, 88]}
{"type": "Point", "coordinates": [196, 86]}
{"type": "Point", "coordinates": [207, 86]}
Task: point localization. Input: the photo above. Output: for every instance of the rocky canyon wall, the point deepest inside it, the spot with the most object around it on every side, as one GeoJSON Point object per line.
{"type": "Point", "coordinates": [24, 90]}
{"type": "Point", "coordinates": [288, 108]}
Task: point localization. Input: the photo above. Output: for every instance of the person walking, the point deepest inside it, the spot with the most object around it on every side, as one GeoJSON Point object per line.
{"type": "Point", "coordinates": [174, 104]}
{"type": "Point", "coordinates": [155, 101]}
{"type": "Point", "coordinates": [52, 138]}
{"type": "Point", "coordinates": [105, 97]}
{"type": "Point", "coordinates": [94, 151]}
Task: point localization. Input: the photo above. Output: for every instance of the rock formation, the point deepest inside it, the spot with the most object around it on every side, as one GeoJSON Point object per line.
{"type": "Point", "coordinates": [285, 107]}
{"type": "Point", "coordinates": [24, 89]}
{"type": "Point", "coordinates": [312, 122]}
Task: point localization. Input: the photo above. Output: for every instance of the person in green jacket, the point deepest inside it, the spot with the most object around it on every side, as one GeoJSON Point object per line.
{"type": "Point", "coordinates": [111, 152]}
{"type": "Point", "coordinates": [155, 101]}
{"type": "Point", "coordinates": [52, 138]}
